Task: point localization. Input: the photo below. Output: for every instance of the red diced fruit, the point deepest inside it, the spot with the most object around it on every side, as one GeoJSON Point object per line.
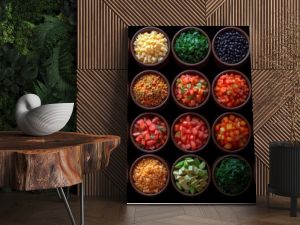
{"type": "Point", "coordinates": [147, 136]}
{"type": "Point", "coordinates": [150, 132]}
{"type": "Point", "coordinates": [155, 119]}
{"type": "Point", "coordinates": [193, 132]}
{"type": "Point", "coordinates": [152, 127]}
{"type": "Point", "coordinates": [148, 122]}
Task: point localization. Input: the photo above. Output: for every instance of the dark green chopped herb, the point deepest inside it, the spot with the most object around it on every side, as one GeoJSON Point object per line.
{"type": "Point", "coordinates": [190, 97]}
{"type": "Point", "coordinates": [191, 46]}
{"type": "Point", "coordinates": [232, 175]}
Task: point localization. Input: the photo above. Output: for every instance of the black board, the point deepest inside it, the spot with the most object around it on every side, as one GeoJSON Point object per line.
{"type": "Point", "coordinates": [170, 111]}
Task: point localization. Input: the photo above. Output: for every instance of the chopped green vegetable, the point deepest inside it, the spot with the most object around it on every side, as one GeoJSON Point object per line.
{"type": "Point", "coordinates": [232, 175]}
{"type": "Point", "coordinates": [191, 175]}
{"type": "Point", "coordinates": [191, 46]}
{"type": "Point", "coordinates": [177, 134]}
{"type": "Point", "coordinates": [183, 90]}
{"type": "Point", "coordinates": [178, 165]}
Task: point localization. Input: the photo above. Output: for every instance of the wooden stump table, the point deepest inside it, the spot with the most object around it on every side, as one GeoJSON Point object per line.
{"type": "Point", "coordinates": [59, 160]}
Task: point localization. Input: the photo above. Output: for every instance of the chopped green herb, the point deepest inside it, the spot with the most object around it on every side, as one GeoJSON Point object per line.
{"type": "Point", "coordinates": [177, 134]}
{"type": "Point", "coordinates": [161, 128]}
{"type": "Point", "coordinates": [183, 90]}
{"type": "Point", "coordinates": [232, 175]}
{"type": "Point", "coordinates": [191, 46]}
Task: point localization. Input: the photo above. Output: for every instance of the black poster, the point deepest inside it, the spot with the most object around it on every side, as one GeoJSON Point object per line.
{"type": "Point", "coordinates": [195, 130]}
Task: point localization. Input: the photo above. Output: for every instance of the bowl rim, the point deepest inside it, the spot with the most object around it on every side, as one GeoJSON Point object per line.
{"type": "Point", "coordinates": [214, 84]}
{"type": "Point", "coordinates": [144, 30]}
{"type": "Point", "coordinates": [193, 72]}
{"type": "Point", "coordinates": [164, 162]}
{"type": "Point", "coordinates": [149, 114]}
{"type": "Point", "coordinates": [217, 162]}
{"type": "Point", "coordinates": [215, 53]}
{"type": "Point", "coordinates": [193, 114]}
{"type": "Point", "coordinates": [173, 179]}
{"type": "Point", "coordinates": [213, 132]}
{"type": "Point", "coordinates": [186, 63]}
{"type": "Point", "coordinates": [143, 73]}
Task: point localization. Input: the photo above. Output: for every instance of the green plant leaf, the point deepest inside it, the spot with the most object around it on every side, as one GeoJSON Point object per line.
{"type": "Point", "coordinates": [29, 72]}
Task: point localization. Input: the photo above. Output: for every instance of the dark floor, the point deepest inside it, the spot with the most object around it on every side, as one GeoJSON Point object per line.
{"type": "Point", "coordinates": [46, 209]}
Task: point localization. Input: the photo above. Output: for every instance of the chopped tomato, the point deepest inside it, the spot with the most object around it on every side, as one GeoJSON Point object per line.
{"type": "Point", "coordinates": [231, 90]}
{"type": "Point", "coordinates": [190, 132]}
{"type": "Point", "coordinates": [191, 90]}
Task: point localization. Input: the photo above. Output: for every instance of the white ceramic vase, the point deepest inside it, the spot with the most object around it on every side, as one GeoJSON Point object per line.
{"type": "Point", "coordinates": [40, 120]}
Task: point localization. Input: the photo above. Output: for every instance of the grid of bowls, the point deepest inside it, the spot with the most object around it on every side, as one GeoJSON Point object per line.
{"type": "Point", "coordinates": [190, 89]}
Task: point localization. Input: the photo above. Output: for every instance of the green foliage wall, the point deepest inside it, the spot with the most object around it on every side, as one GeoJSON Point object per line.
{"type": "Point", "coordinates": [37, 54]}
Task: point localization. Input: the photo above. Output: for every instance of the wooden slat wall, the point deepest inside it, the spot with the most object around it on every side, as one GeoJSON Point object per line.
{"type": "Point", "coordinates": [102, 74]}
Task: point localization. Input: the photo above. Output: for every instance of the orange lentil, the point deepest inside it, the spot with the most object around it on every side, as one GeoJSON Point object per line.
{"type": "Point", "coordinates": [150, 90]}
{"type": "Point", "coordinates": [150, 175]}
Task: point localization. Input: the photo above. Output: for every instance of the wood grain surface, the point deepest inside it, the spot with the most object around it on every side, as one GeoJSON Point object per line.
{"type": "Point", "coordinates": [102, 52]}
{"type": "Point", "coordinates": [45, 209]}
{"type": "Point", "coordinates": [57, 160]}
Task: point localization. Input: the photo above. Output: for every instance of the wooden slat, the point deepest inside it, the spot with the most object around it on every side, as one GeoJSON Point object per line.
{"type": "Point", "coordinates": [102, 37]}
{"type": "Point", "coordinates": [266, 19]}
{"type": "Point", "coordinates": [102, 52]}
{"type": "Point", "coordinates": [269, 91]}
{"type": "Point", "coordinates": [102, 109]}
{"type": "Point", "coordinates": [212, 6]}
{"type": "Point", "coordinates": [164, 13]}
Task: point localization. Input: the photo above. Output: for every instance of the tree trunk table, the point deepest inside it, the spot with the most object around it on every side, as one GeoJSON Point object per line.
{"type": "Point", "coordinates": [55, 161]}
